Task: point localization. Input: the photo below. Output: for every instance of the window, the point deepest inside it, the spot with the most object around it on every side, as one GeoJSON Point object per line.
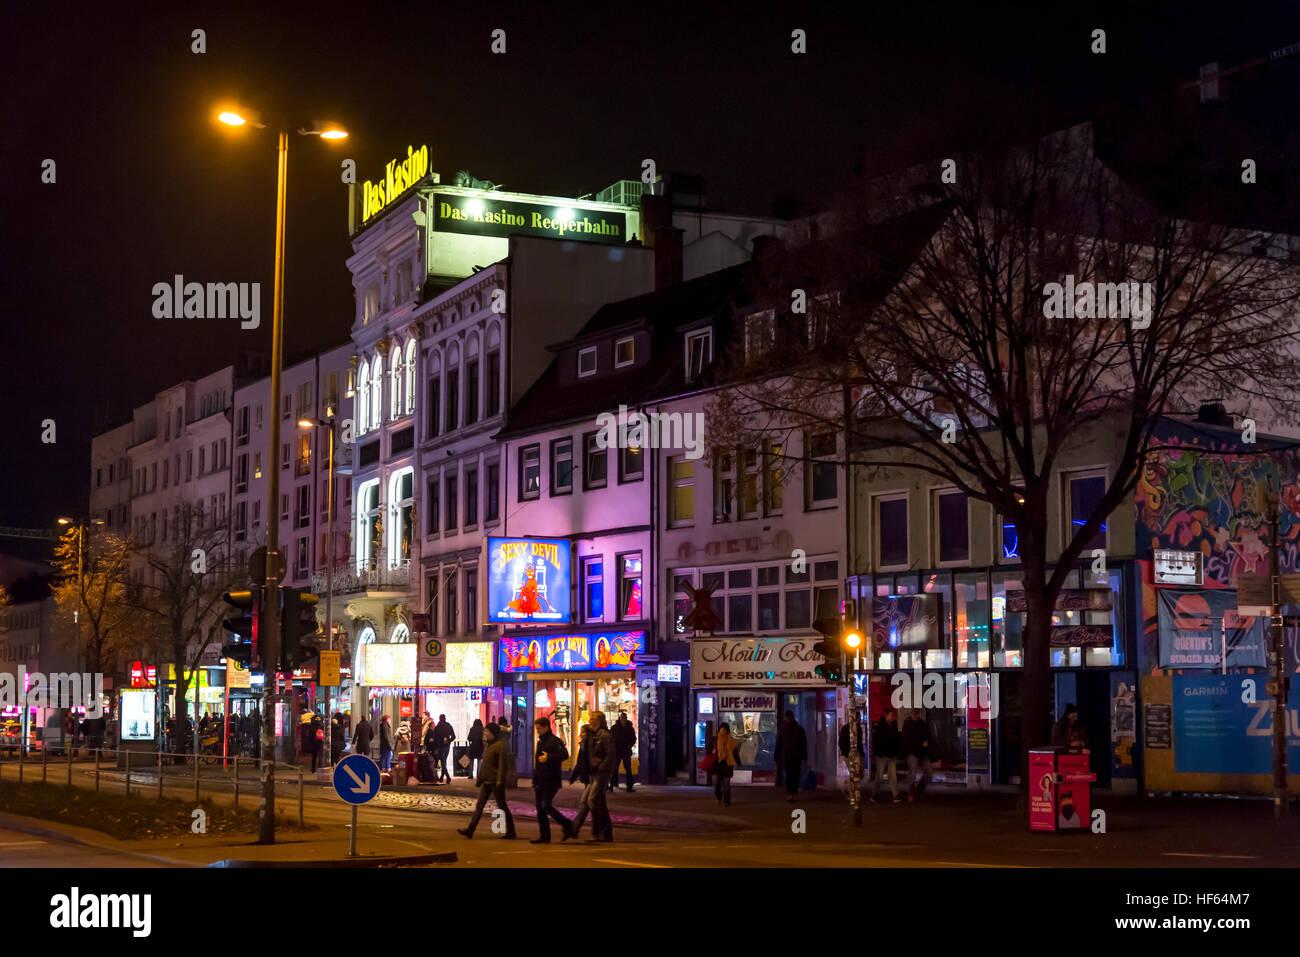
{"type": "Point", "coordinates": [452, 492]}
{"type": "Point", "coordinates": [493, 382]}
{"type": "Point", "coordinates": [748, 501]}
{"type": "Point", "coordinates": [759, 332]}
{"type": "Point", "coordinates": [257, 465]}
{"type": "Point", "coordinates": [1084, 492]}
{"type": "Point", "coordinates": [699, 352]}
{"type": "Point", "coordinates": [257, 419]}
{"type": "Point", "coordinates": [434, 621]}
{"type": "Point", "coordinates": [363, 398]}
{"type": "Point", "coordinates": [624, 352]}
{"type": "Point", "coordinates": [629, 587]}
{"type": "Point", "coordinates": [773, 477]}
{"type": "Point", "coordinates": [304, 454]}
{"type": "Point", "coordinates": [453, 397]}
{"type": "Point", "coordinates": [300, 566]}
{"type": "Point", "coordinates": [401, 494]}
{"type": "Point", "coordinates": [166, 471]}
{"type": "Point", "coordinates": [471, 392]}
{"type": "Point", "coordinates": [285, 455]}
{"type": "Point", "coordinates": [950, 521]}
{"type": "Point", "coordinates": [681, 491]}
{"type": "Point", "coordinates": [396, 377]}
{"type": "Point", "coordinates": [586, 362]}
{"type": "Point", "coordinates": [303, 516]}
{"type": "Point", "coordinates": [411, 353]}
{"type": "Point", "coordinates": [492, 512]}
{"type": "Point", "coordinates": [594, 472]}
{"type": "Point", "coordinates": [530, 472]}
{"type": "Point", "coordinates": [891, 531]}
{"type": "Point", "coordinates": [631, 464]}
{"type": "Point", "coordinates": [284, 507]}
{"type": "Point", "coordinates": [332, 394]}
{"type": "Point", "coordinates": [376, 392]}
{"type": "Point", "coordinates": [241, 473]}
{"type": "Point", "coordinates": [821, 476]}
{"type": "Point", "coordinates": [435, 408]}
{"type": "Point", "coordinates": [561, 466]}
{"type": "Point", "coordinates": [305, 406]}
{"type": "Point", "coordinates": [189, 466]}
{"type": "Point", "coordinates": [593, 589]}
{"type": "Point", "coordinates": [724, 486]}
{"type": "Point", "coordinates": [471, 497]}
{"type": "Point", "coordinates": [286, 404]}
{"type": "Point", "coordinates": [450, 591]}
{"type": "Point", "coordinates": [756, 598]}
{"type": "Point", "coordinates": [257, 513]}
{"type": "Point", "coordinates": [241, 521]}
{"type": "Point", "coordinates": [431, 507]}
{"type": "Point", "coordinates": [471, 600]}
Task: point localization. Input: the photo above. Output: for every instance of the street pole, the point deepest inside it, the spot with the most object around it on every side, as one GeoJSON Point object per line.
{"type": "Point", "coordinates": [270, 619]}
{"type": "Point", "coordinates": [1281, 804]}
{"type": "Point", "coordinates": [329, 587]}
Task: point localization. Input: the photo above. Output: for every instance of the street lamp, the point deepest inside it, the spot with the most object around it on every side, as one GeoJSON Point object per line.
{"type": "Point", "coordinates": [327, 422]}
{"type": "Point", "coordinates": [240, 117]}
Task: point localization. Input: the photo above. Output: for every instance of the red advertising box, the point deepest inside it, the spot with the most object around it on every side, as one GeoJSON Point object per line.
{"type": "Point", "coordinates": [1060, 789]}
{"type": "Point", "coordinates": [1042, 790]}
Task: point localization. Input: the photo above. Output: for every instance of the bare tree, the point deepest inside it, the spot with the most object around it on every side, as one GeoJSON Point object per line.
{"type": "Point", "coordinates": [98, 596]}
{"type": "Point", "coordinates": [998, 317]}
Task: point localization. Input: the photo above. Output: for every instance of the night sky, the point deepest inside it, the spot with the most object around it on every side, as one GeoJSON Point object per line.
{"type": "Point", "coordinates": [148, 185]}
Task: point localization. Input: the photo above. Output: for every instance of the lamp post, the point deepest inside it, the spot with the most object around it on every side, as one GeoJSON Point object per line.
{"type": "Point", "coordinates": [270, 620]}
{"type": "Point", "coordinates": [81, 597]}
{"type": "Point", "coordinates": [327, 422]}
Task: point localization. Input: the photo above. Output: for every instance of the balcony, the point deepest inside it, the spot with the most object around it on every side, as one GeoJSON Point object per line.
{"type": "Point", "coordinates": [373, 576]}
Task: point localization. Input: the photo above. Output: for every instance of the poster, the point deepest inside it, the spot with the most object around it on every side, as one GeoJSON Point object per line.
{"type": "Point", "coordinates": [528, 580]}
{"type": "Point", "coordinates": [1157, 721]}
{"type": "Point", "coordinates": [1223, 724]}
{"type": "Point", "coordinates": [387, 666]}
{"type": "Point", "coordinates": [1195, 624]}
{"type": "Point", "coordinates": [138, 707]}
{"type": "Point", "coordinates": [906, 622]}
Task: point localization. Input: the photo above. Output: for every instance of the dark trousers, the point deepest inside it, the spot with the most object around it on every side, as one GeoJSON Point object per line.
{"type": "Point", "coordinates": [722, 784]}
{"type": "Point", "coordinates": [484, 792]}
{"type": "Point", "coordinates": [315, 757]}
{"type": "Point", "coordinates": [593, 801]}
{"type": "Point", "coordinates": [546, 811]}
{"type": "Point", "coordinates": [440, 759]}
{"type": "Point", "coordinates": [624, 761]}
{"type": "Point", "coordinates": [791, 771]}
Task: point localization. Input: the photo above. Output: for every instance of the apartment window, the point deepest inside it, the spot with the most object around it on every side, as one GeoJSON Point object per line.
{"type": "Point", "coordinates": [586, 362]}
{"type": "Point", "coordinates": [284, 507]}
{"type": "Point", "coordinates": [189, 466]}
{"type": "Point", "coordinates": [699, 352]}
{"type": "Point", "coordinates": [821, 476]}
{"type": "Point", "coordinates": [471, 392]}
{"type": "Point", "coordinates": [435, 408]}
{"type": "Point", "coordinates": [166, 471]}
{"type": "Point", "coordinates": [773, 478]}
{"type": "Point", "coordinates": [724, 485]}
{"type": "Point", "coordinates": [593, 589]}
{"type": "Point", "coordinates": [241, 473]}
{"type": "Point", "coordinates": [241, 521]}
{"type": "Point", "coordinates": [1084, 492]}
{"type": "Point", "coordinates": [530, 472]}
{"type": "Point", "coordinates": [257, 514]}
{"type": "Point", "coordinates": [493, 382]}
{"type": "Point", "coordinates": [431, 507]}
{"type": "Point", "coordinates": [891, 531]}
{"type": "Point", "coordinates": [951, 524]}
{"type": "Point", "coordinates": [453, 399]}
{"type": "Point", "coordinates": [471, 497]}
{"type": "Point", "coordinates": [286, 404]}
{"type": "Point", "coordinates": [99, 478]}
{"type": "Point", "coordinates": [257, 465]}
{"type": "Point", "coordinates": [168, 434]}
{"type": "Point", "coordinates": [629, 586]}
{"type": "Point", "coordinates": [561, 466]}
{"type": "Point", "coordinates": [451, 490]}
{"type": "Point", "coordinates": [434, 621]}
{"type": "Point", "coordinates": [681, 491]}
{"type": "Point", "coordinates": [285, 455]}
{"type": "Point", "coordinates": [300, 566]}
{"type": "Point", "coordinates": [759, 332]}
{"type": "Point", "coordinates": [492, 511]}
{"type": "Point", "coordinates": [332, 393]}
{"type": "Point", "coordinates": [153, 482]}
{"type": "Point", "coordinates": [303, 518]}
{"type": "Point", "coordinates": [631, 465]}
{"type": "Point", "coordinates": [594, 473]}
{"type": "Point", "coordinates": [748, 503]}
{"type": "Point", "coordinates": [450, 592]}
{"type": "Point", "coordinates": [624, 352]}
{"type": "Point", "coordinates": [257, 419]}
{"type": "Point", "coordinates": [471, 600]}
{"type": "Point", "coordinates": [304, 454]}
{"type": "Point", "coordinates": [225, 452]}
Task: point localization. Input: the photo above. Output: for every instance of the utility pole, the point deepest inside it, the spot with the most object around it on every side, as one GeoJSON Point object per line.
{"type": "Point", "coordinates": [1281, 803]}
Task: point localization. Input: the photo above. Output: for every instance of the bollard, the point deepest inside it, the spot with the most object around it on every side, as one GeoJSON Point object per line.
{"type": "Point", "coordinates": [300, 797]}
{"type": "Point", "coordinates": [160, 774]}
{"type": "Point", "coordinates": [128, 773]}
{"type": "Point", "coordinates": [236, 782]}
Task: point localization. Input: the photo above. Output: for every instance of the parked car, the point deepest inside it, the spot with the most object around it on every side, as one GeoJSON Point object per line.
{"type": "Point", "coordinates": [11, 736]}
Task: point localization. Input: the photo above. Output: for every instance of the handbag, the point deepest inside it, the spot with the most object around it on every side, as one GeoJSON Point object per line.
{"type": "Point", "coordinates": [707, 763]}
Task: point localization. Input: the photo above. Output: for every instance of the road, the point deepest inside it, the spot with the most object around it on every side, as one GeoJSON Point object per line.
{"type": "Point", "coordinates": [19, 849]}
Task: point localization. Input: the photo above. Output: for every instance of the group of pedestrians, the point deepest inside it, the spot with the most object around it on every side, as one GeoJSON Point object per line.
{"type": "Point", "coordinates": [889, 744]}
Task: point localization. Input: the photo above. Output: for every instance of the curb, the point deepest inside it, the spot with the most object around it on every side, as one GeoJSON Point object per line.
{"type": "Point", "coordinates": [448, 857]}
{"type": "Point", "coordinates": [22, 824]}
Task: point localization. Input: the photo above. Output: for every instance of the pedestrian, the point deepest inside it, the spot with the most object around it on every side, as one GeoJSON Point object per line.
{"type": "Point", "coordinates": [443, 736]}
{"type": "Point", "coordinates": [403, 737]}
{"type": "Point", "coordinates": [317, 739]}
{"type": "Point", "coordinates": [338, 738]}
{"type": "Point", "coordinates": [916, 746]}
{"type": "Point", "coordinates": [624, 737]}
{"type": "Point", "coordinates": [791, 753]}
{"type": "Point", "coordinates": [726, 758]}
{"type": "Point", "coordinates": [362, 737]}
{"type": "Point", "coordinates": [1068, 732]}
{"type": "Point", "coordinates": [886, 743]}
{"type": "Point", "coordinates": [599, 762]}
{"type": "Point", "coordinates": [426, 722]}
{"type": "Point", "coordinates": [491, 782]}
{"type": "Point", "coordinates": [385, 744]}
{"type": "Point", "coordinates": [547, 774]}
{"type": "Point", "coordinates": [475, 752]}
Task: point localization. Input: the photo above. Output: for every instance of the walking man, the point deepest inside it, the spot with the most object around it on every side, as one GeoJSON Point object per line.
{"type": "Point", "coordinates": [916, 745]}
{"type": "Point", "coordinates": [600, 762]}
{"type": "Point", "coordinates": [443, 736]}
{"type": "Point", "coordinates": [491, 782]}
{"type": "Point", "coordinates": [551, 754]}
{"type": "Point", "coordinates": [791, 752]}
{"type": "Point", "coordinates": [385, 744]}
{"type": "Point", "coordinates": [886, 743]}
{"type": "Point", "coordinates": [362, 737]}
{"type": "Point", "coordinates": [624, 737]}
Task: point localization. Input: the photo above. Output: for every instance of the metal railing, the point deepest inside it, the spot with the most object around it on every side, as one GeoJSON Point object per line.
{"type": "Point", "coordinates": [374, 573]}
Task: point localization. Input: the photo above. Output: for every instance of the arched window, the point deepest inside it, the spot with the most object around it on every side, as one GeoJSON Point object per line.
{"type": "Point", "coordinates": [363, 398]}
{"type": "Point", "coordinates": [359, 661]}
{"type": "Point", "coordinates": [395, 383]}
{"type": "Point", "coordinates": [401, 530]}
{"type": "Point", "coordinates": [410, 375]}
{"type": "Point", "coordinates": [377, 392]}
{"type": "Point", "coordinates": [368, 525]}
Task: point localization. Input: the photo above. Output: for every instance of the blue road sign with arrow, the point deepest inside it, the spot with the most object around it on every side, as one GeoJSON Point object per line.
{"type": "Point", "coordinates": [356, 779]}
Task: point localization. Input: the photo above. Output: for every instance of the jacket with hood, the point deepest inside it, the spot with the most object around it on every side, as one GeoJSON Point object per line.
{"type": "Point", "coordinates": [915, 735]}
{"type": "Point", "coordinates": [600, 752]}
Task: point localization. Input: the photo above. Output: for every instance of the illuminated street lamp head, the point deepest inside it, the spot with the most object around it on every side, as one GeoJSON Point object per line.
{"type": "Point", "coordinates": [240, 116]}
{"type": "Point", "coordinates": [65, 521]}
{"type": "Point", "coordinates": [306, 424]}
{"type": "Point", "coordinates": [326, 130]}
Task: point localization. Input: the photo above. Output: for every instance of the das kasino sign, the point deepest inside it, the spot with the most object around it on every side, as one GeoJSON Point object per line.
{"type": "Point", "coordinates": [400, 174]}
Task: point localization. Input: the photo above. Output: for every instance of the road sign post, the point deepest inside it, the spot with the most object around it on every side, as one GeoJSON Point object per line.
{"type": "Point", "coordinates": [356, 780]}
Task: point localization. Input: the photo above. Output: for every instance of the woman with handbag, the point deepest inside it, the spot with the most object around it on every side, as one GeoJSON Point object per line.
{"type": "Point", "coordinates": [726, 759]}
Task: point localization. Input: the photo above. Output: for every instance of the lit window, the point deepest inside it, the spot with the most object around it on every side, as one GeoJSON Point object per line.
{"type": "Point", "coordinates": [681, 492]}
{"type": "Point", "coordinates": [624, 352]}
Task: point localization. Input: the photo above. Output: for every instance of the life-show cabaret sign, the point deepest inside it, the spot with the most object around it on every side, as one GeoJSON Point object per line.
{"type": "Point", "coordinates": [486, 216]}
{"type": "Point", "coordinates": [528, 580]}
{"type": "Point", "coordinates": [755, 663]}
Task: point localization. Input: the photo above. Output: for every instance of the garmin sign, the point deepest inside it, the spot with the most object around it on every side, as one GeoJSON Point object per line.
{"type": "Point", "coordinates": [755, 662]}
{"type": "Point", "coordinates": [484, 216]}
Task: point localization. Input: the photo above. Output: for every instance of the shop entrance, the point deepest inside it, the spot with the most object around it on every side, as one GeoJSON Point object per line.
{"type": "Point", "coordinates": [569, 704]}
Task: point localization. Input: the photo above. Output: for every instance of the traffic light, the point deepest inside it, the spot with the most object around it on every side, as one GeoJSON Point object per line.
{"type": "Point", "coordinates": [831, 647]}
{"type": "Point", "coordinates": [243, 627]}
{"type": "Point", "coordinates": [302, 637]}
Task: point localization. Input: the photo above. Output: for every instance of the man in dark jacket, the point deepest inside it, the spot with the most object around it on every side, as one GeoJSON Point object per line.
{"type": "Point", "coordinates": [916, 746]}
{"type": "Point", "coordinates": [443, 736]}
{"type": "Point", "coordinates": [624, 737]}
{"type": "Point", "coordinates": [547, 775]}
{"type": "Point", "coordinates": [385, 744]}
{"type": "Point", "coordinates": [791, 752]}
{"type": "Point", "coordinates": [600, 762]}
{"type": "Point", "coordinates": [491, 782]}
{"type": "Point", "coordinates": [886, 744]}
{"type": "Point", "coordinates": [338, 738]}
{"type": "Point", "coordinates": [362, 737]}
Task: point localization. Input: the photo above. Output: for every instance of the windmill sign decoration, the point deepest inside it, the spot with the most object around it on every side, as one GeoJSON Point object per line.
{"type": "Point", "coordinates": [701, 617]}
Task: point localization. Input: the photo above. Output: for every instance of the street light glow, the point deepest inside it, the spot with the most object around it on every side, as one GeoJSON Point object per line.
{"type": "Point", "coordinates": [230, 118]}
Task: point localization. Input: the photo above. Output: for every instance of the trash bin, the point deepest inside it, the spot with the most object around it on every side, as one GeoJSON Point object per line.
{"type": "Point", "coordinates": [1060, 789]}
{"type": "Point", "coordinates": [460, 762]}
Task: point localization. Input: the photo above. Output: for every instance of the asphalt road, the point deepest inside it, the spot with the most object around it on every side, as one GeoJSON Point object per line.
{"type": "Point", "coordinates": [19, 849]}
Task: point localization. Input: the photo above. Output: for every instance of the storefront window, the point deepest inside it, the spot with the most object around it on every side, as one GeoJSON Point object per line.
{"type": "Point", "coordinates": [1005, 627]}
{"type": "Point", "coordinates": [971, 620]}
{"type": "Point", "coordinates": [619, 695]}
{"type": "Point", "coordinates": [939, 583]}
{"type": "Point", "coordinates": [755, 733]}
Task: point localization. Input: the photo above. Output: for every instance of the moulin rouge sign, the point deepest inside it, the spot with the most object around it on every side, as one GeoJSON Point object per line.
{"type": "Point", "coordinates": [399, 176]}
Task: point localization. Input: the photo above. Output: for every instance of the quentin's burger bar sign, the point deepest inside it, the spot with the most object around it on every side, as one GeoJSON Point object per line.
{"type": "Point", "coordinates": [482, 215]}
{"type": "Point", "coordinates": [755, 662]}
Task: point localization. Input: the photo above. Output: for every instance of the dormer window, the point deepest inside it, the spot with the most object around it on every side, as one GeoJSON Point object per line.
{"type": "Point", "coordinates": [624, 352]}
{"type": "Point", "coordinates": [699, 352]}
{"type": "Point", "coordinates": [586, 362]}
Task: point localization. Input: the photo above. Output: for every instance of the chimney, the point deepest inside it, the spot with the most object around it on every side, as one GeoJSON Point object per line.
{"type": "Point", "coordinates": [1212, 412]}
{"type": "Point", "coordinates": [656, 211]}
{"type": "Point", "coordinates": [668, 256]}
